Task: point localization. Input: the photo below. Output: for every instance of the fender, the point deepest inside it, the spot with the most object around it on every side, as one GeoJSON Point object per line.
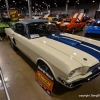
{"type": "Point", "coordinates": [40, 59]}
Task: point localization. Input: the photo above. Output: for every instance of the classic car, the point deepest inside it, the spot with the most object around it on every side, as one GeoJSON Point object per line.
{"type": "Point", "coordinates": [76, 22]}
{"type": "Point", "coordinates": [93, 30]}
{"type": "Point", "coordinates": [5, 22]}
{"type": "Point", "coordinates": [65, 58]}
{"type": "Point", "coordinates": [48, 17]}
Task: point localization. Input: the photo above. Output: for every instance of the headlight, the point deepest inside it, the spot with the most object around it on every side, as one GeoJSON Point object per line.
{"type": "Point", "coordinates": [75, 72]}
{"type": "Point", "coordinates": [78, 71]}
{"type": "Point", "coordinates": [71, 73]}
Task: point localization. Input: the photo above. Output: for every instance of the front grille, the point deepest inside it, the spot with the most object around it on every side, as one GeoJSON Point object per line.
{"type": "Point", "coordinates": [93, 67]}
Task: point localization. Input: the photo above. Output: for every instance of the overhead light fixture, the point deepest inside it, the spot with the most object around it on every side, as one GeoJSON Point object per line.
{"type": "Point", "coordinates": [36, 4]}
{"type": "Point", "coordinates": [48, 5]}
{"type": "Point", "coordinates": [77, 1]}
{"type": "Point", "coordinates": [93, 1]}
{"type": "Point", "coordinates": [67, 1]}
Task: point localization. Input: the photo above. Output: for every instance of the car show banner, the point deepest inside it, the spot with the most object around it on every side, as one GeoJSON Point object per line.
{"type": "Point", "coordinates": [14, 15]}
{"type": "Point", "coordinates": [44, 81]}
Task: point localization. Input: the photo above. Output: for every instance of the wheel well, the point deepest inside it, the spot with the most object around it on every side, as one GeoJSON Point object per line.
{"type": "Point", "coordinates": [40, 60]}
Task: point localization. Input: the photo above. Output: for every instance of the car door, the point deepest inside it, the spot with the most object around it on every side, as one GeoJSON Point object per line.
{"type": "Point", "coordinates": [36, 30]}
{"type": "Point", "coordinates": [20, 37]}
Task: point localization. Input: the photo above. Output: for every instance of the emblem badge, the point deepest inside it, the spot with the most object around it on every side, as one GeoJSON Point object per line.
{"type": "Point", "coordinates": [85, 59]}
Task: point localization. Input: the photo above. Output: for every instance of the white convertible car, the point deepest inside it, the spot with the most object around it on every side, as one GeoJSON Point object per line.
{"type": "Point", "coordinates": [69, 59]}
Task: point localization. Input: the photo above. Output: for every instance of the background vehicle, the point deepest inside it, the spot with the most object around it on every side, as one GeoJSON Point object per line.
{"type": "Point", "coordinates": [93, 30]}
{"type": "Point", "coordinates": [4, 23]}
{"type": "Point", "coordinates": [76, 22]}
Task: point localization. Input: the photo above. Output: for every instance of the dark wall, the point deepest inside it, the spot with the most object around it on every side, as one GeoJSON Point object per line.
{"type": "Point", "coordinates": [90, 8]}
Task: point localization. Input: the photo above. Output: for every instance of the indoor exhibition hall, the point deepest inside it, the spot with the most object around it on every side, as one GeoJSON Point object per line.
{"type": "Point", "coordinates": [49, 49]}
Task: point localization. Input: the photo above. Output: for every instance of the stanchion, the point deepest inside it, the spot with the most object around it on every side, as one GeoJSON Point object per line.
{"type": "Point", "coordinates": [4, 84]}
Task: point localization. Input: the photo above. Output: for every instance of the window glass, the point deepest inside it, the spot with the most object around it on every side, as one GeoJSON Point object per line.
{"type": "Point", "coordinates": [96, 23]}
{"type": "Point", "coordinates": [42, 29]}
{"type": "Point", "coordinates": [19, 28]}
{"type": "Point", "coordinates": [67, 20]}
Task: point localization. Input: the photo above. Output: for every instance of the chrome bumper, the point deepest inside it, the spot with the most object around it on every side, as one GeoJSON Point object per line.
{"type": "Point", "coordinates": [94, 74]}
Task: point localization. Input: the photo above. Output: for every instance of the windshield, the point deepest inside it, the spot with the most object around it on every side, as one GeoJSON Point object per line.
{"type": "Point", "coordinates": [40, 29]}
{"type": "Point", "coordinates": [67, 20]}
{"type": "Point", "coordinates": [97, 23]}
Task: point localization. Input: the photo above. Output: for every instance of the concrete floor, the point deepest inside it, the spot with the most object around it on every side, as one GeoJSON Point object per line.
{"type": "Point", "coordinates": [21, 74]}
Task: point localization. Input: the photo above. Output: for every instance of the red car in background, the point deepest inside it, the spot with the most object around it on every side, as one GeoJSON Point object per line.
{"type": "Point", "coordinates": [76, 22]}
{"type": "Point", "coordinates": [89, 21]}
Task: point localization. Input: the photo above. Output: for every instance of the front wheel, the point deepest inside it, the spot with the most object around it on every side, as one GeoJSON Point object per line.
{"type": "Point", "coordinates": [72, 31]}
{"type": "Point", "coordinates": [46, 70]}
{"type": "Point", "coordinates": [83, 27]}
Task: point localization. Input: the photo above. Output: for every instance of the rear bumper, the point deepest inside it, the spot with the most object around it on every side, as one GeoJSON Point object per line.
{"type": "Point", "coordinates": [80, 82]}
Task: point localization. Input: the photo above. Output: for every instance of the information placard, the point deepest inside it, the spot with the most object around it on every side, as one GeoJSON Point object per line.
{"type": "Point", "coordinates": [44, 81]}
{"type": "Point", "coordinates": [14, 15]}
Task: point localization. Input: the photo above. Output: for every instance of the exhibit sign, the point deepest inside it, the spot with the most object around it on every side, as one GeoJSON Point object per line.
{"type": "Point", "coordinates": [44, 81]}
{"type": "Point", "coordinates": [14, 15]}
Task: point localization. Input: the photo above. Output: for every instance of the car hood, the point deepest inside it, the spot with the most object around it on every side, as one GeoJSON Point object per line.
{"type": "Point", "coordinates": [93, 28]}
{"type": "Point", "coordinates": [85, 53]}
{"type": "Point", "coordinates": [3, 25]}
